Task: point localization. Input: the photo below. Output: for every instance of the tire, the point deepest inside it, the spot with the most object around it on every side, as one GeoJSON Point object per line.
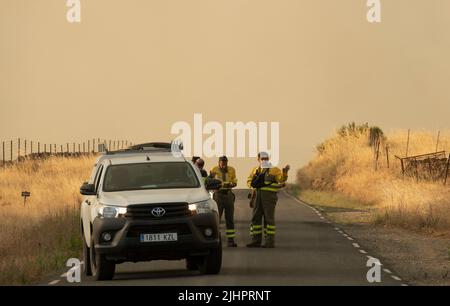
{"type": "Point", "coordinates": [192, 264]}
{"type": "Point", "coordinates": [86, 258]}
{"type": "Point", "coordinates": [212, 263]}
{"type": "Point", "coordinates": [101, 268]}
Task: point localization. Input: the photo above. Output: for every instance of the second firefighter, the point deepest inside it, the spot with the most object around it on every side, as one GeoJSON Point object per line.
{"type": "Point", "coordinates": [225, 197]}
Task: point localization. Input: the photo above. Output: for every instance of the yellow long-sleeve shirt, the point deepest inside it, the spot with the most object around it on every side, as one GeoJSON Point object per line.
{"type": "Point", "coordinates": [227, 177]}
{"type": "Point", "coordinates": [274, 178]}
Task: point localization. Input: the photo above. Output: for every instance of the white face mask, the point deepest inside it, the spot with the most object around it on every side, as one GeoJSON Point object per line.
{"type": "Point", "coordinates": [265, 164]}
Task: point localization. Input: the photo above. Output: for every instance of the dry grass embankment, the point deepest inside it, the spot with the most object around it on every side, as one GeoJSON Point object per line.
{"type": "Point", "coordinates": [38, 238]}
{"type": "Point", "coordinates": [342, 174]}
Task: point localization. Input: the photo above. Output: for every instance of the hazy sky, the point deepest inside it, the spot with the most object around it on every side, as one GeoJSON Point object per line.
{"type": "Point", "coordinates": [132, 68]}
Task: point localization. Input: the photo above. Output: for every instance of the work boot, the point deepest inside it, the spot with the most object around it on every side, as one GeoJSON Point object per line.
{"type": "Point", "coordinates": [231, 243]}
{"type": "Point", "coordinates": [269, 242]}
{"type": "Point", "coordinates": [256, 242]}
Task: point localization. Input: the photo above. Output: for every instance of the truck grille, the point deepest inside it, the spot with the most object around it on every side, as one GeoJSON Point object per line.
{"type": "Point", "coordinates": [144, 211]}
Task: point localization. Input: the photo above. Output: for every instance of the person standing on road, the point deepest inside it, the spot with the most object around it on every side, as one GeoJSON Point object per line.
{"type": "Point", "coordinates": [225, 197]}
{"type": "Point", "coordinates": [200, 163]}
{"type": "Point", "coordinates": [266, 180]}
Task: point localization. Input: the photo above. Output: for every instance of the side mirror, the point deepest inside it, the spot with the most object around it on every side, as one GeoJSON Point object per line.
{"type": "Point", "coordinates": [87, 189]}
{"type": "Point", "coordinates": [212, 184]}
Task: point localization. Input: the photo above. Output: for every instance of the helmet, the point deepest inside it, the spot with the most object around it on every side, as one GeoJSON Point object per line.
{"type": "Point", "coordinates": [223, 158]}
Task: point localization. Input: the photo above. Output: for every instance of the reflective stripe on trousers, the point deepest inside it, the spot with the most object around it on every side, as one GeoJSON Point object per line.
{"type": "Point", "coordinates": [230, 233]}
{"type": "Point", "coordinates": [270, 229]}
{"type": "Point", "coordinates": [255, 229]}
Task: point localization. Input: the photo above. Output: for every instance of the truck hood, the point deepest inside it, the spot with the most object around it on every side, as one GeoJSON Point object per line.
{"type": "Point", "coordinates": [125, 198]}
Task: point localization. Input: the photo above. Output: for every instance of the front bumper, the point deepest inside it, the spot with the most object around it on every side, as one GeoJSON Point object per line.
{"type": "Point", "coordinates": [126, 246]}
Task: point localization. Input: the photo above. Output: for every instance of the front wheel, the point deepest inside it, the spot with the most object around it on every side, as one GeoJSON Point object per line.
{"type": "Point", "coordinates": [212, 263]}
{"type": "Point", "coordinates": [102, 269]}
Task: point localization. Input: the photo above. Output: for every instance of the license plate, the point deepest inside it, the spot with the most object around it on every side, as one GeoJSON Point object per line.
{"type": "Point", "coordinates": [161, 237]}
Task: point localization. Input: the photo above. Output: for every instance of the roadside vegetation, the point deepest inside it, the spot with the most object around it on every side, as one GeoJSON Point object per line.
{"type": "Point", "coordinates": [39, 236]}
{"type": "Point", "coordinates": [346, 176]}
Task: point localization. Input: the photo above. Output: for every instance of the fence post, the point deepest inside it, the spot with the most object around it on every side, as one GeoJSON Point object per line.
{"type": "Point", "coordinates": [84, 147]}
{"type": "Point", "coordinates": [437, 140]}
{"type": "Point", "coordinates": [387, 156]}
{"type": "Point", "coordinates": [39, 147]}
{"type": "Point", "coordinates": [403, 168]}
{"type": "Point", "coordinates": [3, 155]}
{"type": "Point", "coordinates": [417, 169]}
{"type": "Point", "coordinates": [31, 147]}
{"type": "Point", "coordinates": [377, 155]}
{"type": "Point", "coordinates": [446, 171]}
{"type": "Point", "coordinates": [25, 154]}
{"type": "Point", "coordinates": [407, 143]}
{"type": "Point", "coordinates": [18, 149]}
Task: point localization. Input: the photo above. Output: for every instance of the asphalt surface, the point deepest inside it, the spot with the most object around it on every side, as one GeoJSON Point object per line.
{"type": "Point", "coordinates": [310, 251]}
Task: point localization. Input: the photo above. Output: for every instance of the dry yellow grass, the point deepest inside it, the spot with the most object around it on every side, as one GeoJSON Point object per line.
{"type": "Point", "coordinates": [39, 237]}
{"type": "Point", "coordinates": [346, 165]}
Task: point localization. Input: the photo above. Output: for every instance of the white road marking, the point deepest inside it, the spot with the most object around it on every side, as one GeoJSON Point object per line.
{"type": "Point", "coordinates": [348, 237]}
{"type": "Point", "coordinates": [404, 285]}
{"type": "Point", "coordinates": [64, 275]}
{"type": "Point", "coordinates": [54, 282]}
{"type": "Point", "coordinates": [362, 251]}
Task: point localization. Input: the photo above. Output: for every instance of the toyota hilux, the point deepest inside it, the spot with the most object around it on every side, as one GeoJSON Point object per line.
{"type": "Point", "coordinates": [145, 204]}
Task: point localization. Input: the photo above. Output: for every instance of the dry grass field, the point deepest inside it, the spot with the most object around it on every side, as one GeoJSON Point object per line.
{"type": "Point", "coordinates": [344, 165]}
{"type": "Point", "coordinates": [39, 237]}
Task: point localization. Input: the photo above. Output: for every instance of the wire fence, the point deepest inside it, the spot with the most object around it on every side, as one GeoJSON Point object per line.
{"type": "Point", "coordinates": [17, 150]}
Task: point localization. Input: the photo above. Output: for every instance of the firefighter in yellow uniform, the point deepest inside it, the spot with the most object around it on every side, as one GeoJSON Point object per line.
{"type": "Point", "coordinates": [225, 197]}
{"type": "Point", "coordinates": [266, 180]}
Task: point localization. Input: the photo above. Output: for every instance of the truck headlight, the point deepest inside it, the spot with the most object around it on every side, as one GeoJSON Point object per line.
{"type": "Point", "coordinates": [202, 207]}
{"type": "Point", "coordinates": [106, 211]}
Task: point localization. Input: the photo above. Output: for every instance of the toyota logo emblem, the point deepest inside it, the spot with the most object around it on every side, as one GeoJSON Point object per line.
{"type": "Point", "coordinates": [158, 211]}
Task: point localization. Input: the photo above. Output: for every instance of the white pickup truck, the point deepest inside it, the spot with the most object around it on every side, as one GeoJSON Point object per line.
{"type": "Point", "coordinates": [146, 203]}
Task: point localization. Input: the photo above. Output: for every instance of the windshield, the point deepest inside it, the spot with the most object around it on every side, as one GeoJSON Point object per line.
{"type": "Point", "coordinates": [150, 176]}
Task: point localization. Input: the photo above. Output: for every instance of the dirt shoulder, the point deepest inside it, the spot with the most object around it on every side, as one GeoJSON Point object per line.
{"type": "Point", "coordinates": [419, 258]}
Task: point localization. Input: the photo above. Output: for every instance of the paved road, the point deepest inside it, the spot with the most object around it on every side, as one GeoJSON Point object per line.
{"type": "Point", "coordinates": [310, 251]}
